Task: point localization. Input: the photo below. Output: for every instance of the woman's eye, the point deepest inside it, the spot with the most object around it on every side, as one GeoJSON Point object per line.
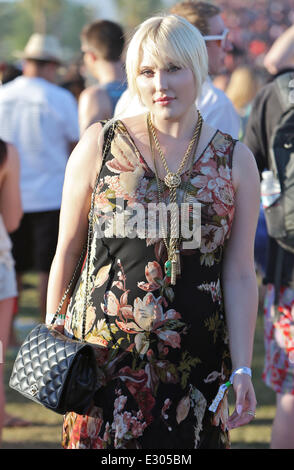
{"type": "Point", "coordinates": [147, 73]}
{"type": "Point", "coordinates": [173, 68]}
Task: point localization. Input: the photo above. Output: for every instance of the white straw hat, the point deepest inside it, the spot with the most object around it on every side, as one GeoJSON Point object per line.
{"type": "Point", "coordinates": [42, 47]}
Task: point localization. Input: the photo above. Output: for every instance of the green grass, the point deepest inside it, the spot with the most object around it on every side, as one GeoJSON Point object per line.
{"type": "Point", "coordinates": [45, 432]}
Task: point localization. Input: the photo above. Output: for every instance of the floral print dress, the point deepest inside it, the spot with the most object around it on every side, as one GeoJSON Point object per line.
{"type": "Point", "coordinates": [162, 350]}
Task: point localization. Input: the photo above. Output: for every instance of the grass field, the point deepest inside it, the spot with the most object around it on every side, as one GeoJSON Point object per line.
{"type": "Point", "coordinates": [45, 431]}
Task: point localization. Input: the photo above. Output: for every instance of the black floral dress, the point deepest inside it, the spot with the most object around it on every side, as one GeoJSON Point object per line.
{"type": "Point", "coordinates": [162, 350]}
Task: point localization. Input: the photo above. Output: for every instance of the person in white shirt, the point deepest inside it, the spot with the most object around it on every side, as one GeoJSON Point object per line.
{"type": "Point", "coordinates": [216, 108]}
{"type": "Point", "coordinates": [41, 120]}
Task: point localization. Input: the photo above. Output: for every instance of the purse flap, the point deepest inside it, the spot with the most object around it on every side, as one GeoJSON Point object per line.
{"type": "Point", "coordinates": [43, 363]}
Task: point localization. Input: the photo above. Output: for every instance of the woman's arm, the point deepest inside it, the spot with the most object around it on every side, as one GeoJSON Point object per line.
{"type": "Point", "coordinates": [239, 278]}
{"type": "Point", "coordinates": [10, 198]}
{"type": "Point", "coordinates": [81, 171]}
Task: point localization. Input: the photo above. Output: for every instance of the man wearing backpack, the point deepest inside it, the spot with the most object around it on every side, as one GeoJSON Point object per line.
{"type": "Point", "coordinates": [270, 136]}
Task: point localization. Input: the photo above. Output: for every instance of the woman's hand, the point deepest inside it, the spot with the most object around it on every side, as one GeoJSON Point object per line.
{"type": "Point", "coordinates": [245, 408]}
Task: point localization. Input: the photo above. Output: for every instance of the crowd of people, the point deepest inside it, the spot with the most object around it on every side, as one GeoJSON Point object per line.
{"type": "Point", "coordinates": [239, 51]}
{"type": "Point", "coordinates": [255, 25]}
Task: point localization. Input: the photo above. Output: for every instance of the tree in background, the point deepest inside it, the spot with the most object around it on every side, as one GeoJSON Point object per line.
{"type": "Point", "coordinates": [133, 12]}
{"type": "Point", "coordinates": [62, 18]}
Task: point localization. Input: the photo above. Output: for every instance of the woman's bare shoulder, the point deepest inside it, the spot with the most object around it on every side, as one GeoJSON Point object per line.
{"type": "Point", "coordinates": [87, 147]}
{"type": "Point", "coordinates": [86, 157]}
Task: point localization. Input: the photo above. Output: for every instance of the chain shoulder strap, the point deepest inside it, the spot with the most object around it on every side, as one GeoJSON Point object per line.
{"type": "Point", "coordinates": [87, 248]}
{"type": "Point", "coordinates": [90, 230]}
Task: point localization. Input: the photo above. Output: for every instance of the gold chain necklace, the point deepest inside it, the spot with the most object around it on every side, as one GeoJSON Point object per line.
{"type": "Point", "coordinates": [172, 181]}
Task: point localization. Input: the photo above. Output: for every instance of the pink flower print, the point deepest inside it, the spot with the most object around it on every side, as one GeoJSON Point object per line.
{"type": "Point", "coordinates": [153, 272]}
{"type": "Point", "coordinates": [172, 314]}
{"type": "Point", "coordinates": [106, 435]}
{"type": "Point", "coordinates": [147, 315]}
{"type": "Point", "coordinates": [120, 428]}
{"type": "Point", "coordinates": [102, 202]}
{"type": "Point", "coordinates": [125, 159]}
{"type": "Point", "coordinates": [221, 416]}
{"type": "Point", "coordinates": [130, 180]}
{"type": "Point", "coordinates": [212, 237]}
{"type": "Point", "coordinates": [93, 426]}
{"type": "Point", "coordinates": [113, 183]}
{"type": "Point", "coordinates": [169, 337]}
{"type": "Point", "coordinates": [225, 172]}
{"type": "Point", "coordinates": [167, 403]}
{"type": "Point", "coordinates": [204, 193]}
{"type": "Point", "coordinates": [126, 310]}
{"type": "Point", "coordinates": [147, 311]}
{"type": "Point", "coordinates": [146, 192]}
{"type": "Point", "coordinates": [223, 197]}
{"type": "Point", "coordinates": [111, 304]}
{"type": "Point", "coordinates": [143, 315]}
{"type": "Point", "coordinates": [119, 403]}
{"type": "Point", "coordinates": [90, 317]}
{"type": "Point", "coordinates": [102, 276]}
{"type": "Point", "coordinates": [207, 155]}
{"type": "Point", "coordinates": [205, 181]}
{"type": "Point", "coordinates": [142, 343]}
{"type": "Point", "coordinates": [136, 381]}
{"type": "Point", "coordinates": [120, 164]}
{"type": "Point", "coordinates": [140, 415]}
{"type": "Point", "coordinates": [137, 427]}
{"type": "Point", "coordinates": [183, 409]}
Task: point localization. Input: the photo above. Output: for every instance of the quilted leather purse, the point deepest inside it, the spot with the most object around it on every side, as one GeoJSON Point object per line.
{"type": "Point", "coordinates": [55, 371]}
{"type": "Point", "coordinates": [52, 369]}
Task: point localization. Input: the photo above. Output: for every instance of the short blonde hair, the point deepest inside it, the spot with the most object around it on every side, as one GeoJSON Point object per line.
{"type": "Point", "coordinates": [167, 37]}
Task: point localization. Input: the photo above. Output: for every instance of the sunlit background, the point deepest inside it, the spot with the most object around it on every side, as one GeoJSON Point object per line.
{"type": "Point", "coordinates": [254, 24]}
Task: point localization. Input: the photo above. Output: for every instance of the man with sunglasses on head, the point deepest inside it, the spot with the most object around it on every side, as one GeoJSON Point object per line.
{"type": "Point", "coordinates": [216, 108]}
{"type": "Point", "coordinates": [213, 103]}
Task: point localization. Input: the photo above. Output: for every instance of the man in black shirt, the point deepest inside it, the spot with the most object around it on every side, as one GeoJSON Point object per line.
{"type": "Point", "coordinates": [279, 332]}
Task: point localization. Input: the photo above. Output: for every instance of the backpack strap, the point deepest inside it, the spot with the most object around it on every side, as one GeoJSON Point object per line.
{"type": "Point", "coordinates": [284, 87]}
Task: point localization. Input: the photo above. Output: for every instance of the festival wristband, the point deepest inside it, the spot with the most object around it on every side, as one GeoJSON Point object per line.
{"type": "Point", "coordinates": [59, 320]}
{"type": "Point", "coordinates": [240, 370]}
{"type": "Point", "coordinates": [224, 387]}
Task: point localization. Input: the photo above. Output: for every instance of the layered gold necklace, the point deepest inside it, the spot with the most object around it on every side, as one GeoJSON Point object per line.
{"type": "Point", "coordinates": [173, 181]}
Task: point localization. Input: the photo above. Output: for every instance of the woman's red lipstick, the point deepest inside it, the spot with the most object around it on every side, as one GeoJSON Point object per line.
{"type": "Point", "coordinates": [164, 100]}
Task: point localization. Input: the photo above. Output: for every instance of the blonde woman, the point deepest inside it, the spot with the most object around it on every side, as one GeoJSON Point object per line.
{"type": "Point", "coordinates": [242, 89]}
{"type": "Point", "coordinates": [170, 321]}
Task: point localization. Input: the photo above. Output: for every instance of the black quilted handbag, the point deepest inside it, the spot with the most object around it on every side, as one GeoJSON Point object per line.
{"type": "Point", "coordinates": [52, 369]}
{"type": "Point", "coordinates": [55, 371]}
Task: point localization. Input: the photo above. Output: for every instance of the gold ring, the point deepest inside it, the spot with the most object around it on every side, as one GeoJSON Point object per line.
{"type": "Point", "coordinates": [251, 413]}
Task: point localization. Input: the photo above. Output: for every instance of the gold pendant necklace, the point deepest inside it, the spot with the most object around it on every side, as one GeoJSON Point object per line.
{"type": "Point", "coordinates": [173, 181]}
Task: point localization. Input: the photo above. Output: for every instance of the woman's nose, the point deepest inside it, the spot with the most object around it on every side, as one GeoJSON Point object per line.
{"type": "Point", "coordinates": [161, 80]}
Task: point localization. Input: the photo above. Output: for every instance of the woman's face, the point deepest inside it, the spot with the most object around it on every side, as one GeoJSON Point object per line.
{"type": "Point", "coordinates": [168, 91]}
